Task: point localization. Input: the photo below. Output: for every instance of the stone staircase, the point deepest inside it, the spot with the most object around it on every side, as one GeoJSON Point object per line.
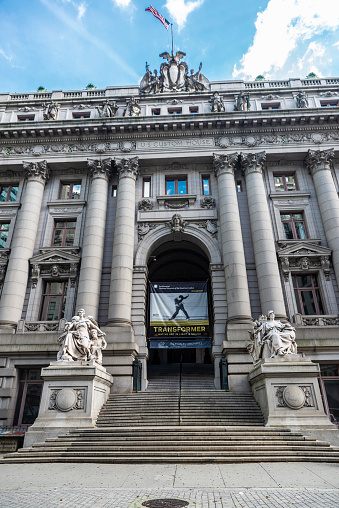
{"type": "Point", "coordinates": [146, 427]}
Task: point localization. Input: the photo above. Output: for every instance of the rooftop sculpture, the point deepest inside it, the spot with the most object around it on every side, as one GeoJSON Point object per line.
{"type": "Point", "coordinates": [174, 77]}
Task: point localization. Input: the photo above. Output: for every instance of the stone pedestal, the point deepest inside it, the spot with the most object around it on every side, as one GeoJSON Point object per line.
{"type": "Point", "coordinates": [286, 388]}
{"type": "Point", "coordinates": [73, 394]}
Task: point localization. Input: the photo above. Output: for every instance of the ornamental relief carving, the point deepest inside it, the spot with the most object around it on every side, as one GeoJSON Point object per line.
{"type": "Point", "coordinates": [305, 257]}
{"type": "Point", "coordinates": [207, 202]}
{"type": "Point", "coordinates": [66, 399]}
{"type": "Point", "coordinates": [295, 397]}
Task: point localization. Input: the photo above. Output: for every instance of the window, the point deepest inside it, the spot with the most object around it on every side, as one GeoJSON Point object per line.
{"type": "Point", "coordinates": [266, 107]}
{"type": "Point", "coordinates": [4, 228]}
{"type": "Point", "coordinates": [174, 111]}
{"type": "Point", "coordinates": [294, 226]}
{"type": "Point", "coordinates": [285, 183]}
{"type": "Point", "coordinates": [64, 232]}
{"type": "Point", "coordinates": [26, 118]}
{"type": "Point", "coordinates": [146, 188]}
{"type": "Point", "coordinates": [206, 188]}
{"type": "Point", "coordinates": [53, 301]}
{"type": "Point", "coordinates": [29, 395]}
{"type": "Point", "coordinates": [156, 112]}
{"type": "Point", "coordinates": [307, 294]}
{"type": "Point", "coordinates": [329, 386]}
{"type": "Point", "coordinates": [239, 186]}
{"type": "Point", "coordinates": [81, 115]}
{"type": "Point", "coordinates": [330, 104]}
{"type": "Point", "coordinates": [8, 192]}
{"type": "Point", "coordinates": [194, 109]}
{"type": "Point", "coordinates": [176, 185]}
{"type": "Point", "coordinates": [70, 190]}
{"type": "Point", "coordinates": [114, 191]}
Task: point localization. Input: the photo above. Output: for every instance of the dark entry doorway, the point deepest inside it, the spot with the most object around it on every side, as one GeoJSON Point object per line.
{"type": "Point", "coordinates": [180, 262]}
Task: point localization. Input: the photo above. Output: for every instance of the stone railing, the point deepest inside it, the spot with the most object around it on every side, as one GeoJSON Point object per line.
{"type": "Point", "coordinates": [40, 326]}
{"type": "Point", "coordinates": [316, 320]}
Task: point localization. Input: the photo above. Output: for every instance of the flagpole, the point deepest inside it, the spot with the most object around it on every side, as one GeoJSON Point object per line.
{"type": "Point", "coordinates": [172, 41]}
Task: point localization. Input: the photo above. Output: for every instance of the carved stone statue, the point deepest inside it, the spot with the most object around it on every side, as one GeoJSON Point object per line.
{"type": "Point", "coordinates": [271, 338]}
{"type": "Point", "coordinates": [133, 108]}
{"type": "Point", "coordinates": [51, 111]}
{"type": "Point", "coordinates": [177, 223]}
{"type": "Point", "coordinates": [217, 103]}
{"type": "Point", "coordinates": [81, 340]}
{"type": "Point", "coordinates": [197, 82]}
{"type": "Point", "coordinates": [107, 109]}
{"type": "Point", "coordinates": [302, 100]}
{"type": "Point", "coordinates": [242, 102]}
{"type": "Point", "coordinates": [173, 76]}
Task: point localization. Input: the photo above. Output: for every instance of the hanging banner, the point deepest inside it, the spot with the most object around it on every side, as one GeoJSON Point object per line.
{"type": "Point", "coordinates": [180, 344]}
{"type": "Point", "coordinates": [178, 310]}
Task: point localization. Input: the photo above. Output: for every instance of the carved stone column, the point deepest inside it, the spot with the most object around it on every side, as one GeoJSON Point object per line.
{"type": "Point", "coordinates": [94, 237]}
{"type": "Point", "coordinates": [14, 289]}
{"type": "Point", "coordinates": [271, 295]}
{"type": "Point", "coordinates": [319, 165]}
{"type": "Point", "coordinates": [238, 300]}
{"type": "Point", "coordinates": [120, 300]}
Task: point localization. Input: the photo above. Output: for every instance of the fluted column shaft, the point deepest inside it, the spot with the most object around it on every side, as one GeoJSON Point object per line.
{"type": "Point", "coordinates": [319, 164]}
{"type": "Point", "coordinates": [15, 285]}
{"type": "Point", "coordinates": [269, 282]}
{"type": "Point", "coordinates": [94, 237]}
{"type": "Point", "coordinates": [238, 300]}
{"type": "Point", "coordinates": [120, 300]}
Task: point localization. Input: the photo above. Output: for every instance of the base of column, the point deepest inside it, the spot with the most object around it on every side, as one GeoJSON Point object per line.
{"type": "Point", "coordinates": [118, 322]}
{"type": "Point", "coordinates": [240, 319]}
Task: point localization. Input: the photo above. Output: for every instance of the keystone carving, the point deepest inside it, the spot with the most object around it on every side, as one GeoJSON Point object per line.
{"type": "Point", "coordinates": [177, 223]}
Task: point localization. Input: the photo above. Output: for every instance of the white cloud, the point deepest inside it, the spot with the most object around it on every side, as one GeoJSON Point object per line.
{"type": "Point", "coordinates": [81, 10]}
{"type": "Point", "coordinates": [312, 57]}
{"type": "Point", "coordinates": [122, 3]}
{"type": "Point", "coordinates": [5, 55]}
{"type": "Point", "coordinates": [279, 29]}
{"type": "Point", "coordinates": [180, 9]}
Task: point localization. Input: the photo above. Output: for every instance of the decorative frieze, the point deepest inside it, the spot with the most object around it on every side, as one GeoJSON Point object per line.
{"type": "Point", "coordinates": [304, 257]}
{"type": "Point", "coordinates": [55, 263]}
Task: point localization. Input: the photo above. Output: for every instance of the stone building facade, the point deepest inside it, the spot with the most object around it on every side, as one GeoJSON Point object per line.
{"type": "Point", "coordinates": [90, 181]}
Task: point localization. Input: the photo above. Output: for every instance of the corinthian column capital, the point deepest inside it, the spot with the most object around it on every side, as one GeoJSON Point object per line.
{"type": "Point", "coordinates": [252, 162]}
{"type": "Point", "coordinates": [36, 171]}
{"type": "Point", "coordinates": [317, 160]}
{"type": "Point", "coordinates": [128, 167]}
{"type": "Point", "coordinates": [100, 168]}
{"type": "Point", "coordinates": [224, 163]}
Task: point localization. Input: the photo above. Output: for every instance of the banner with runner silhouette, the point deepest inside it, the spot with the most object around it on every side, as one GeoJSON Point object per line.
{"type": "Point", "coordinates": [178, 310]}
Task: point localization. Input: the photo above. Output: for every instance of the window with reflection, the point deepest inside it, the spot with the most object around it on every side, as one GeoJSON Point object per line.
{"type": "Point", "coordinates": [4, 229]}
{"type": "Point", "coordinates": [206, 187]}
{"type": "Point", "coordinates": [53, 301]}
{"type": "Point", "coordinates": [8, 192]}
{"type": "Point", "coordinates": [29, 395]}
{"type": "Point", "coordinates": [294, 226]}
{"type": "Point", "coordinates": [307, 294]}
{"type": "Point", "coordinates": [176, 185]}
{"type": "Point", "coordinates": [70, 190]}
{"type": "Point", "coordinates": [146, 188]}
{"type": "Point", "coordinates": [284, 183]}
{"type": "Point", "coordinates": [64, 232]}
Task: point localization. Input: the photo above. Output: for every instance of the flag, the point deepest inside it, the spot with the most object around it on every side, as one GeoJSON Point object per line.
{"type": "Point", "coordinates": [158, 16]}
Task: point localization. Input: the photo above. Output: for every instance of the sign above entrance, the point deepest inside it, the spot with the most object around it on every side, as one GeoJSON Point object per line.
{"type": "Point", "coordinates": [180, 344]}
{"type": "Point", "coordinates": [179, 310]}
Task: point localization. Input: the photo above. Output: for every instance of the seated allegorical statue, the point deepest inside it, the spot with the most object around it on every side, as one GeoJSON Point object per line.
{"type": "Point", "coordinates": [81, 339]}
{"type": "Point", "coordinates": [271, 338]}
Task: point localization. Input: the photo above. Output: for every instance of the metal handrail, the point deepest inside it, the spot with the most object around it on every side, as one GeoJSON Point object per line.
{"type": "Point", "coordinates": [179, 401]}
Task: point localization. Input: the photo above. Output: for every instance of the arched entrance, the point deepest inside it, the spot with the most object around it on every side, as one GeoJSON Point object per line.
{"type": "Point", "coordinates": [180, 262]}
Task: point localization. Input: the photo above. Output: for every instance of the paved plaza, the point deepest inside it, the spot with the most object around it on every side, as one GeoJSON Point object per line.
{"type": "Point", "coordinates": [301, 485]}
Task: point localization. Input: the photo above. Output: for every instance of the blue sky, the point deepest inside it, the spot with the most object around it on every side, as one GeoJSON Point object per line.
{"type": "Point", "coordinates": [66, 44]}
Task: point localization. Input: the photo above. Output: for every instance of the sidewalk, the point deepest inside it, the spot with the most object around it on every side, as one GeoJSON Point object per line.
{"type": "Point", "coordinates": [300, 485]}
